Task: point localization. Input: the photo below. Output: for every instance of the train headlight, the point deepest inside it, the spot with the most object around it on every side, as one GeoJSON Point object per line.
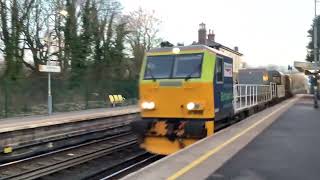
{"type": "Point", "coordinates": [191, 106]}
{"type": "Point", "coordinates": [151, 105]}
{"type": "Point", "coordinates": [144, 105]}
{"type": "Point", "coordinates": [148, 105]}
{"type": "Point", "coordinates": [176, 50]}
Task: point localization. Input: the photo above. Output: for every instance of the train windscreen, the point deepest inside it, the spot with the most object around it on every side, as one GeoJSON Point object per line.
{"type": "Point", "coordinates": [173, 66]}
{"type": "Point", "coordinates": [159, 67]}
{"type": "Point", "coordinates": [188, 66]}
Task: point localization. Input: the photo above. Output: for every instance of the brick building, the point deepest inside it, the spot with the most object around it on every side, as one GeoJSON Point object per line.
{"type": "Point", "coordinates": [208, 39]}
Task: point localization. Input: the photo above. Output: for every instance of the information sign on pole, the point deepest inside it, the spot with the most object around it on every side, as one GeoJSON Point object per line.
{"type": "Point", "coordinates": [49, 68]}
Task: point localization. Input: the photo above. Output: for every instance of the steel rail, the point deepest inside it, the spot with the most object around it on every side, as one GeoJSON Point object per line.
{"type": "Point", "coordinates": [142, 163]}
{"type": "Point", "coordinates": [115, 143]}
{"type": "Point", "coordinates": [62, 138]}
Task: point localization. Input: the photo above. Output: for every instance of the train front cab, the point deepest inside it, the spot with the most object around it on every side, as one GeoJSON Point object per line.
{"type": "Point", "coordinates": [182, 94]}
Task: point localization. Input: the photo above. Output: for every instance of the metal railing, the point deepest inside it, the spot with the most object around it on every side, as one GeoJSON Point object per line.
{"type": "Point", "coordinates": [273, 89]}
{"type": "Point", "coordinates": [248, 95]}
{"type": "Point", "coordinates": [281, 92]}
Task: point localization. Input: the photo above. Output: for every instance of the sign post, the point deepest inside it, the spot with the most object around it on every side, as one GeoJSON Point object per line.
{"type": "Point", "coordinates": [316, 52]}
{"type": "Point", "coordinates": [312, 69]}
{"type": "Point", "coordinates": [49, 68]}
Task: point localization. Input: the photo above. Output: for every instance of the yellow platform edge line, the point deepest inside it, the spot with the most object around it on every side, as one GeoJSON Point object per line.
{"type": "Point", "coordinates": [218, 148]}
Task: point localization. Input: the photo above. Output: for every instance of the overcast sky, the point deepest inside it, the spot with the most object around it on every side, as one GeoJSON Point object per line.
{"type": "Point", "coordinates": [267, 32]}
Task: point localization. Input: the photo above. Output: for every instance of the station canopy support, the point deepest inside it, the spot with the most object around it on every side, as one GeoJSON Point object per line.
{"type": "Point", "coordinates": [310, 69]}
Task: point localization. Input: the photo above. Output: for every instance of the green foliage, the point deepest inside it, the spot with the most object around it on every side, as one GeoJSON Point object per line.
{"type": "Point", "coordinates": [11, 24]}
{"type": "Point", "coordinates": [310, 46]}
{"type": "Point", "coordinates": [99, 49]}
{"type": "Point", "coordinates": [91, 39]}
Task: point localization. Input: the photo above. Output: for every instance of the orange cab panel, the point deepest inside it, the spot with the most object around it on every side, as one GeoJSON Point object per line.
{"type": "Point", "coordinates": [171, 99]}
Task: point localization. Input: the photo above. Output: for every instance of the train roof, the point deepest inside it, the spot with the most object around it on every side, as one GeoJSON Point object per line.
{"type": "Point", "coordinates": [261, 70]}
{"type": "Point", "coordinates": [253, 70]}
{"type": "Point", "coordinates": [187, 48]}
{"type": "Point", "coordinates": [275, 71]}
{"type": "Point", "coordinates": [218, 46]}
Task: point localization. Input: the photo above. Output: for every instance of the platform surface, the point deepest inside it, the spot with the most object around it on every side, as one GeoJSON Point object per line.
{"type": "Point", "coordinates": [288, 149]}
{"type": "Point", "coordinates": [281, 142]}
{"type": "Point", "coordinates": [14, 124]}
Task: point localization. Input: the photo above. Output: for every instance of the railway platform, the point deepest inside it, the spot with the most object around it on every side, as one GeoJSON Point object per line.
{"type": "Point", "coordinates": [23, 132]}
{"type": "Point", "coordinates": [280, 142]}
{"type": "Point", "coordinates": [18, 123]}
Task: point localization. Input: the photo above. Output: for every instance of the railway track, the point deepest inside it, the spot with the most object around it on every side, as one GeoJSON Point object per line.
{"type": "Point", "coordinates": [48, 163]}
{"type": "Point", "coordinates": [136, 164]}
{"type": "Point", "coordinates": [53, 143]}
{"type": "Point", "coordinates": [111, 166]}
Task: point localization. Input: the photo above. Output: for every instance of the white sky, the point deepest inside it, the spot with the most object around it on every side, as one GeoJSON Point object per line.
{"type": "Point", "coordinates": [267, 32]}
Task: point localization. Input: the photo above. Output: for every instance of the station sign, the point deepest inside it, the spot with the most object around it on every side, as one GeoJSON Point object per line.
{"type": "Point", "coordinates": [49, 68]}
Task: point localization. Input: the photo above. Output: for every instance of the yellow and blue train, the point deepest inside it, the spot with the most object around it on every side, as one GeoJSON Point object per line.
{"type": "Point", "coordinates": [184, 92]}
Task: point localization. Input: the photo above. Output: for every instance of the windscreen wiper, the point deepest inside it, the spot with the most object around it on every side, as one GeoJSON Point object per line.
{"type": "Point", "coordinates": [194, 70]}
{"type": "Point", "coordinates": [151, 74]}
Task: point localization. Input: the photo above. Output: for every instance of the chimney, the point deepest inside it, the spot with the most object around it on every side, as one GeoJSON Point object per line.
{"type": "Point", "coordinates": [236, 48]}
{"type": "Point", "coordinates": [211, 36]}
{"type": "Point", "coordinates": [202, 34]}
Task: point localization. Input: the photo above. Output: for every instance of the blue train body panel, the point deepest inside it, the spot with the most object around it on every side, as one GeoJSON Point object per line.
{"type": "Point", "coordinates": [223, 90]}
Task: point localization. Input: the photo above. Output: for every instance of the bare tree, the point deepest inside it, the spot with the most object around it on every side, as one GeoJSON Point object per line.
{"type": "Point", "coordinates": [143, 27]}
{"type": "Point", "coordinates": [31, 35]}
{"type": "Point", "coordinates": [42, 33]}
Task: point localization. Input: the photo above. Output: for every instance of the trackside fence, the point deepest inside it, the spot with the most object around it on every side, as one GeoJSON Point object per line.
{"type": "Point", "coordinates": [28, 96]}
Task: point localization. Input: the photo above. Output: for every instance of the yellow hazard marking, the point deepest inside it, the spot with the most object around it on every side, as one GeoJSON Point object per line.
{"type": "Point", "coordinates": [7, 150]}
{"type": "Point", "coordinates": [218, 148]}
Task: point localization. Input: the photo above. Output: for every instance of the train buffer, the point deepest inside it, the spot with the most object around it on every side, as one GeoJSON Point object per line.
{"type": "Point", "coordinates": [280, 142]}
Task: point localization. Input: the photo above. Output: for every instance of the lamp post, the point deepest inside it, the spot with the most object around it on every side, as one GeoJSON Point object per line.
{"type": "Point", "coordinates": [315, 54]}
{"type": "Point", "coordinates": [315, 34]}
